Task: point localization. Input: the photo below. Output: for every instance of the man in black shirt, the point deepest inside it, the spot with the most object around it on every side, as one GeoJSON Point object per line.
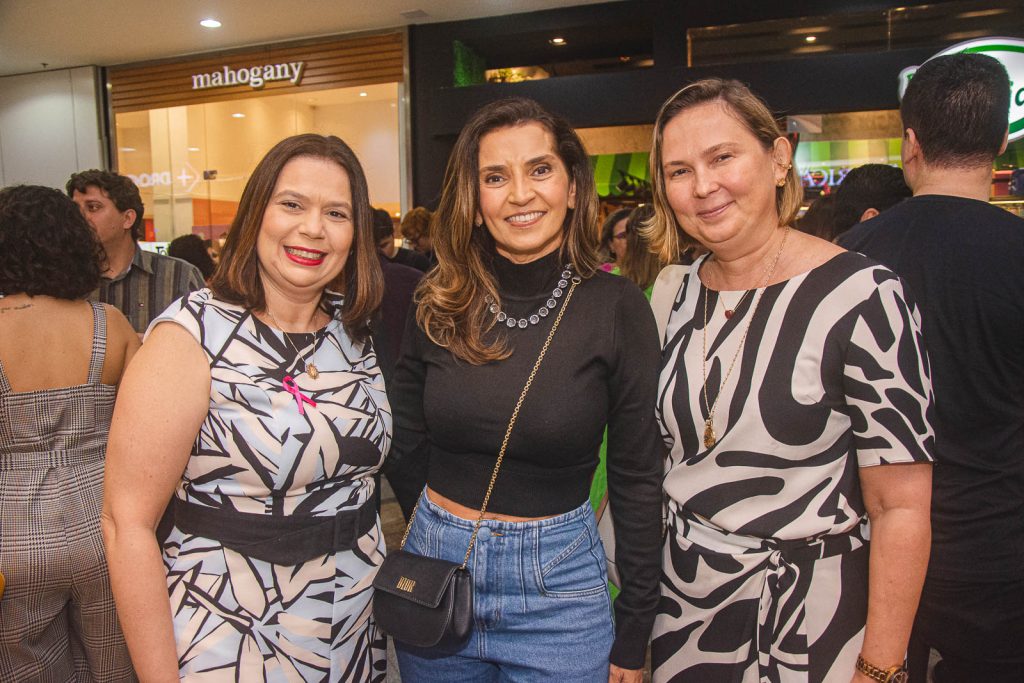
{"type": "Point", "coordinates": [961, 258]}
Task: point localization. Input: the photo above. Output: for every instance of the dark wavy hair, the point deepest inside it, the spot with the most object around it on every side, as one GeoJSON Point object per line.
{"type": "Point", "coordinates": [46, 246]}
{"type": "Point", "coordinates": [237, 279]}
{"type": "Point", "coordinates": [121, 190]}
{"type": "Point", "coordinates": [192, 249]}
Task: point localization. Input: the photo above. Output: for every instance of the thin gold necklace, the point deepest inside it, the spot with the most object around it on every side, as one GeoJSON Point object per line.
{"type": "Point", "coordinates": [729, 312]}
{"type": "Point", "coordinates": [307, 364]}
{"type": "Point", "coordinates": [709, 424]}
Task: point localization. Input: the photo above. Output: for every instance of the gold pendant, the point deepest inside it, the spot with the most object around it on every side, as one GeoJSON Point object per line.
{"type": "Point", "coordinates": [312, 371]}
{"type": "Point", "coordinates": [709, 433]}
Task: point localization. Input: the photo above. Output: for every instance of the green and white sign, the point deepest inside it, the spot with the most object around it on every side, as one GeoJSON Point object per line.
{"type": "Point", "coordinates": [1009, 51]}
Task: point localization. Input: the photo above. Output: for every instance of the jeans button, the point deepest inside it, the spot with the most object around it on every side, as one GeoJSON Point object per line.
{"type": "Point", "coordinates": [484, 534]}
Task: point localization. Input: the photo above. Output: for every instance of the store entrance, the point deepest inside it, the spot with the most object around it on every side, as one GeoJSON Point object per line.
{"type": "Point", "coordinates": [191, 162]}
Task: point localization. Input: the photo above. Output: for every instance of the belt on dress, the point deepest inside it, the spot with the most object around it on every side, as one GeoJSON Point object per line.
{"type": "Point", "coordinates": [279, 539]}
{"type": "Point", "coordinates": [786, 567]}
{"type": "Point", "coordinates": [43, 460]}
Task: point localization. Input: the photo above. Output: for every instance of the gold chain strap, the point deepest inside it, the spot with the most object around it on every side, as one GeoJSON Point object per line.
{"type": "Point", "coordinates": [508, 432]}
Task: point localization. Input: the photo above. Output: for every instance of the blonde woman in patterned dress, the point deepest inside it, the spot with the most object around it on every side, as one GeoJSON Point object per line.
{"type": "Point", "coordinates": [795, 398]}
{"type": "Point", "coordinates": [260, 412]}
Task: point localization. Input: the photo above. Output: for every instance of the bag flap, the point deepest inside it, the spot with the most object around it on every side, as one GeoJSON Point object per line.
{"type": "Point", "coordinates": [422, 580]}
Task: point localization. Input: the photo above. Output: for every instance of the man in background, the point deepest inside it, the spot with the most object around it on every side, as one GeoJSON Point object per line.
{"type": "Point", "coordinates": [416, 230]}
{"type": "Point", "coordinates": [139, 283]}
{"type": "Point", "coordinates": [384, 235]}
{"type": "Point", "coordinates": [865, 192]}
{"type": "Point", "coordinates": [961, 260]}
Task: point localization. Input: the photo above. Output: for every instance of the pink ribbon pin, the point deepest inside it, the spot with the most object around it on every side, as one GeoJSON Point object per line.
{"type": "Point", "coordinates": [292, 388]}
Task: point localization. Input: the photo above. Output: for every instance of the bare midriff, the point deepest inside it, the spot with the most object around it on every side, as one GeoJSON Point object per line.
{"type": "Point", "coordinates": [459, 510]}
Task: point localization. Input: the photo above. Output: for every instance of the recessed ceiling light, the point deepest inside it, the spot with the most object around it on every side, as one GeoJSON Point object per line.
{"type": "Point", "coordinates": [193, 149]}
{"type": "Point", "coordinates": [362, 94]}
{"type": "Point", "coordinates": [127, 149]}
{"type": "Point", "coordinates": [209, 23]}
{"type": "Point", "coordinates": [238, 115]}
{"type": "Point", "coordinates": [557, 41]}
{"type": "Point", "coordinates": [811, 39]}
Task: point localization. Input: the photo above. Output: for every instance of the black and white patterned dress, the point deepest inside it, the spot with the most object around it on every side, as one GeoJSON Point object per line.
{"type": "Point", "coordinates": [765, 562]}
{"type": "Point", "coordinates": [240, 618]}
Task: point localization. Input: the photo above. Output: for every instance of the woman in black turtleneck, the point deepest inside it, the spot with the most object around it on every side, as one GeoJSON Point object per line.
{"type": "Point", "coordinates": [515, 228]}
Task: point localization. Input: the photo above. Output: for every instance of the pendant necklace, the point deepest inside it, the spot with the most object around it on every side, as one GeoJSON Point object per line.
{"type": "Point", "coordinates": [307, 364]}
{"type": "Point", "coordinates": [709, 424]}
{"type": "Point", "coordinates": [730, 312]}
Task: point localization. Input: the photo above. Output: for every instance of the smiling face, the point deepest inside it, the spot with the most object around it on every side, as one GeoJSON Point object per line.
{"type": "Point", "coordinates": [525, 191]}
{"type": "Point", "coordinates": [720, 181]}
{"type": "Point", "coordinates": [307, 228]}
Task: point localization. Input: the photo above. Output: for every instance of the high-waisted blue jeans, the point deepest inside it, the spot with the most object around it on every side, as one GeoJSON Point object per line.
{"type": "Point", "coordinates": [540, 600]}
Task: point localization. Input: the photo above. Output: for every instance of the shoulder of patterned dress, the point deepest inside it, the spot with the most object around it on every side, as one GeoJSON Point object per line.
{"type": "Point", "coordinates": [850, 273]}
{"type": "Point", "coordinates": [212, 322]}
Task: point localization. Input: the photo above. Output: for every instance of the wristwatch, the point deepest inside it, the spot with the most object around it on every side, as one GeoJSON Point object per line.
{"type": "Point", "coordinates": [894, 674]}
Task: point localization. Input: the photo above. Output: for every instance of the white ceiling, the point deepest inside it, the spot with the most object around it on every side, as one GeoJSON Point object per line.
{"type": "Point", "coordinates": [67, 33]}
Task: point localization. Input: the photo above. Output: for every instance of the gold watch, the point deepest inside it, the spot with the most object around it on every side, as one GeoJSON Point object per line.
{"type": "Point", "coordinates": [894, 674]}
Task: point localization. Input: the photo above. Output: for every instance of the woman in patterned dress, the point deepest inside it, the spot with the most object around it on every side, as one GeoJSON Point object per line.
{"type": "Point", "coordinates": [261, 413]}
{"type": "Point", "coordinates": [794, 397]}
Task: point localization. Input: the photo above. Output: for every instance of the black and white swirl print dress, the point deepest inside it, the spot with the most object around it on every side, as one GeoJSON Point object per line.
{"type": "Point", "coordinates": [766, 557]}
{"type": "Point", "coordinates": [238, 618]}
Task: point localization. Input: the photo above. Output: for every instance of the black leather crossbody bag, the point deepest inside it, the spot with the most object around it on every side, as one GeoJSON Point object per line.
{"type": "Point", "coordinates": [427, 602]}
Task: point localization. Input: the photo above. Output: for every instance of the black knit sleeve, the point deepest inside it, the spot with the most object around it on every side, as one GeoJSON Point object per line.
{"type": "Point", "coordinates": [635, 464]}
{"type": "Point", "coordinates": [405, 393]}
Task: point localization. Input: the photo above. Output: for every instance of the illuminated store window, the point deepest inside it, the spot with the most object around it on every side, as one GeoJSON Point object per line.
{"type": "Point", "coordinates": [191, 162]}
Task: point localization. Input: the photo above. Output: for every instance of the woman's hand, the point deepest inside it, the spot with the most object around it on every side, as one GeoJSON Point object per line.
{"type": "Point", "coordinates": [619, 675]}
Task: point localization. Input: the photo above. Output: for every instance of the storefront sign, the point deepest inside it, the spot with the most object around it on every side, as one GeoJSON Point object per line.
{"type": "Point", "coordinates": [1010, 52]}
{"type": "Point", "coordinates": [264, 71]}
{"type": "Point", "coordinates": [253, 76]}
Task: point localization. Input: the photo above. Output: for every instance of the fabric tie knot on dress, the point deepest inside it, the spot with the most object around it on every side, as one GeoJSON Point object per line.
{"type": "Point", "coordinates": [292, 388]}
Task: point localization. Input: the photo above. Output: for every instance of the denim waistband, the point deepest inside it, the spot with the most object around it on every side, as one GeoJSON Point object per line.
{"type": "Point", "coordinates": [573, 516]}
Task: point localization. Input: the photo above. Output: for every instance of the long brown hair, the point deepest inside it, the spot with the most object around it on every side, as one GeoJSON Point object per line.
{"type": "Point", "coordinates": [237, 279]}
{"type": "Point", "coordinates": [639, 264]}
{"type": "Point", "coordinates": [452, 310]}
{"type": "Point", "coordinates": [663, 230]}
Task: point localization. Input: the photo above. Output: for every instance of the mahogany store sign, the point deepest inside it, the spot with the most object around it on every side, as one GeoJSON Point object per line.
{"type": "Point", "coordinates": [253, 76]}
{"type": "Point", "coordinates": [258, 72]}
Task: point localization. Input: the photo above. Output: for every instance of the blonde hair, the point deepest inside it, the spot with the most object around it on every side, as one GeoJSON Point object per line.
{"type": "Point", "coordinates": [451, 308]}
{"type": "Point", "coordinates": [666, 236]}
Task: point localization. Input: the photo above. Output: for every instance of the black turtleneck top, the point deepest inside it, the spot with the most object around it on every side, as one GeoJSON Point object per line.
{"type": "Point", "coordinates": [600, 370]}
